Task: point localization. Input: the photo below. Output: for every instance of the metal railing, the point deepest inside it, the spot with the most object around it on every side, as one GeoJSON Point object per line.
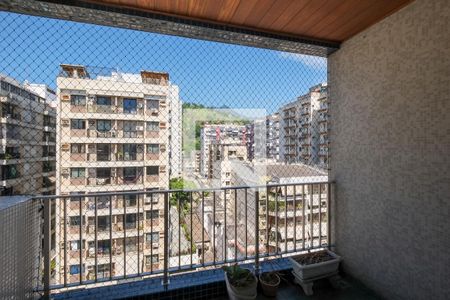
{"type": "Point", "coordinates": [178, 230]}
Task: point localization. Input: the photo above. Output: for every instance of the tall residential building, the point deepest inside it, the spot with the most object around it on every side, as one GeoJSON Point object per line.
{"type": "Point", "coordinates": [118, 132]}
{"type": "Point", "coordinates": [273, 137]}
{"type": "Point", "coordinates": [28, 130]}
{"type": "Point", "coordinates": [303, 128]}
{"type": "Point", "coordinates": [215, 133]}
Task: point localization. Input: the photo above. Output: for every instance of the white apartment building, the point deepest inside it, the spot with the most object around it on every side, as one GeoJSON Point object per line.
{"type": "Point", "coordinates": [27, 134]}
{"type": "Point", "coordinates": [273, 137]}
{"type": "Point", "coordinates": [120, 132]}
{"type": "Point", "coordinates": [303, 128]}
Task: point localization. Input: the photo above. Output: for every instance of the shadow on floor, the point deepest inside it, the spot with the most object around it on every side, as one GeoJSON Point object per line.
{"type": "Point", "coordinates": [350, 289]}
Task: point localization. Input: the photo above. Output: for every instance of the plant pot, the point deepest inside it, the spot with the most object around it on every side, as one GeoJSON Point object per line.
{"type": "Point", "coordinates": [241, 293]}
{"type": "Point", "coordinates": [306, 272]}
{"type": "Point", "coordinates": [270, 289]}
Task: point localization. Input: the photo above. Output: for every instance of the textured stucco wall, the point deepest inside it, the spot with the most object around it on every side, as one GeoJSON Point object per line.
{"type": "Point", "coordinates": [390, 141]}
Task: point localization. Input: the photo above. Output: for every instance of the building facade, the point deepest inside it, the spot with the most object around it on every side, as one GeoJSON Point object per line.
{"type": "Point", "coordinates": [273, 137]}
{"type": "Point", "coordinates": [304, 128]}
{"type": "Point", "coordinates": [28, 135]}
{"type": "Point", "coordinates": [116, 133]}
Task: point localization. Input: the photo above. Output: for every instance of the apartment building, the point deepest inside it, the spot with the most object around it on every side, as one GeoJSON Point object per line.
{"type": "Point", "coordinates": [287, 212]}
{"type": "Point", "coordinates": [119, 132]}
{"type": "Point", "coordinates": [28, 136]}
{"type": "Point", "coordinates": [303, 132]}
{"type": "Point", "coordinates": [273, 137]}
{"type": "Point", "coordinates": [215, 134]}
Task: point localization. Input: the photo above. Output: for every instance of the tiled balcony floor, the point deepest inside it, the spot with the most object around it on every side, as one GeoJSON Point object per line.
{"type": "Point", "coordinates": [351, 290]}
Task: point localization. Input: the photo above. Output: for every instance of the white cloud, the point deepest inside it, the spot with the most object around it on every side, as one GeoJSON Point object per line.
{"type": "Point", "coordinates": [315, 62]}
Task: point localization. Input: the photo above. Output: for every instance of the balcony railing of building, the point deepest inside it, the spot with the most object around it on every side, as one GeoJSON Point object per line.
{"type": "Point", "coordinates": [139, 234]}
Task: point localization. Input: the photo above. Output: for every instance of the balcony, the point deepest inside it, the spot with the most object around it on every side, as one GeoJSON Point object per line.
{"type": "Point", "coordinates": [386, 63]}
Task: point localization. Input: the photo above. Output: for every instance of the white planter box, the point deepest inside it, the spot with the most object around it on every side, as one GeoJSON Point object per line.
{"type": "Point", "coordinates": [312, 271]}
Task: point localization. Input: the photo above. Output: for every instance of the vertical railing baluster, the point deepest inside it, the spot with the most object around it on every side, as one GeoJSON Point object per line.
{"type": "Point", "coordinates": [257, 231]}
{"type": "Point", "coordinates": [294, 200]}
{"type": "Point", "coordinates": [235, 225]}
{"type": "Point", "coordinates": [47, 247]}
{"type": "Point", "coordinates": [151, 230]}
{"type": "Point", "coordinates": [285, 220]}
{"type": "Point", "coordinates": [225, 225]}
{"type": "Point", "coordinates": [81, 238]}
{"type": "Point", "coordinates": [110, 236]}
{"type": "Point", "coordinates": [124, 237]}
{"type": "Point", "coordinates": [179, 230]}
{"type": "Point", "coordinates": [166, 239]}
{"type": "Point", "coordinates": [65, 241]}
{"type": "Point", "coordinates": [95, 238]}
{"type": "Point", "coordinates": [214, 227]}
{"type": "Point", "coordinates": [311, 210]}
{"type": "Point", "coordinates": [276, 221]}
{"type": "Point", "coordinates": [320, 214]}
{"type": "Point", "coordinates": [267, 222]}
{"type": "Point", "coordinates": [246, 225]}
{"type": "Point", "coordinates": [191, 231]}
{"type": "Point", "coordinates": [328, 215]}
{"type": "Point", "coordinates": [139, 233]}
{"type": "Point", "coordinates": [203, 228]}
{"type": "Point", "coordinates": [303, 217]}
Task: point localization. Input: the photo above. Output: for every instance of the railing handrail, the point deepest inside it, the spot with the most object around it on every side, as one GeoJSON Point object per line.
{"type": "Point", "coordinates": [211, 189]}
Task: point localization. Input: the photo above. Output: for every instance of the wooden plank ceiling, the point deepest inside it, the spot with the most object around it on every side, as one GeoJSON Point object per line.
{"type": "Point", "coordinates": [327, 20]}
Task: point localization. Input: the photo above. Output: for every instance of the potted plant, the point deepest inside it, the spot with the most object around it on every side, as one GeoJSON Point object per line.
{"type": "Point", "coordinates": [241, 283]}
{"type": "Point", "coordinates": [269, 283]}
{"type": "Point", "coordinates": [314, 265]}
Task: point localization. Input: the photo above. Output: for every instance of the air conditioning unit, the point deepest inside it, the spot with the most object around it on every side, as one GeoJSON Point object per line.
{"type": "Point", "coordinates": [162, 169]}
{"type": "Point", "coordinates": [65, 171]}
{"type": "Point", "coordinates": [162, 147]}
{"type": "Point", "coordinates": [140, 128]}
{"type": "Point", "coordinates": [162, 125]}
{"type": "Point", "coordinates": [65, 147]}
{"type": "Point", "coordinates": [113, 172]}
{"type": "Point", "coordinates": [155, 245]}
{"type": "Point", "coordinates": [65, 97]}
{"type": "Point", "coordinates": [140, 106]}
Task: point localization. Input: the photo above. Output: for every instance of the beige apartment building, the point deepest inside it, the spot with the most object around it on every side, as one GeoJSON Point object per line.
{"type": "Point", "coordinates": [27, 134]}
{"type": "Point", "coordinates": [119, 132]}
{"type": "Point", "coordinates": [304, 130]}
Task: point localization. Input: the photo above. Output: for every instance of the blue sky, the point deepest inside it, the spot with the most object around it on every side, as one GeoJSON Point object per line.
{"type": "Point", "coordinates": [213, 74]}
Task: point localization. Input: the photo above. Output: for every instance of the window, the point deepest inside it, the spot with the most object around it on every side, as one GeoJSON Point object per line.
{"type": "Point", "coordinates": [151, 214]}
{"type": "Point", "coordinates": [77, 148]}
{"type": "Point", "coordinates": [5, 86]}
{"type": "Point", "coordinates": [130, 173]}
{"type": "Point", "coordinates": [152, 237]}
{"type": "Point", "coordinates": [103, 125]}
{"type": "Point", "coordinates": [152, 126]}
{"type": "Point", "coordinates": [103, 172]}
{"type": "Point", "coordinates": [75, 245]}
{"type": "Point", "coordinates": [153, 170]}
{"type": "Point", "coordinates": [129, 126]}
{"type": "Point", "coordinates": [151, 259]}
{"type": "Point", "coordinates": [152, 104]}
{"type": "Point", "coordinates": [129, 151]}
{"type": "Point", "coordinates": [75, 221]}
{"type": "Point", "coordinates": [130, 200]}
{"type": "Point", "coordinates": [129, 106]}
{"type": "Point", "coordinates": [103, 152]}
{"type": "Point", "coordinates": [103, 100]}
{"type": "Point", "coordinates": [74, 198]}
{"type": "Point", "coordinates": [153, 148]}
{"type": "Point", "coordinates": [77, 124]}
{"type": "Point", "coordinates": [77, 99]}
{"type": "Point", "coordinates": [75, 269]}
{"type": "Point", "coordinates": [77, 172]}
